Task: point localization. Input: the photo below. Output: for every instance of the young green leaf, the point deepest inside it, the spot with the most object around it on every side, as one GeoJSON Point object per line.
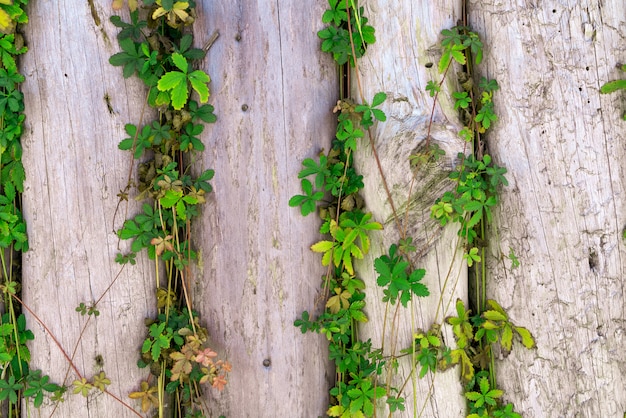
{"type": "Point", "coordinates": [307, 202]}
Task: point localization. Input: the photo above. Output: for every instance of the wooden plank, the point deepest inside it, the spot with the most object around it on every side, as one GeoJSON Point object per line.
{"type": "Point", "coordinates": [74, 171]}
{"type": "Point", "coordinates": [273, 91]}
{"type": "Point", "coordinates": [407, 39]}
{"type": "Point", "coordinates": [563, 212]}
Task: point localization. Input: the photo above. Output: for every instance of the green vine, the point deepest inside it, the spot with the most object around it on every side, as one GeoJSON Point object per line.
{"type": "Point", "coordinates": [331, 187]}
{"type": "Point", "coordinates": [157, 48]}
{"type": "Point", "coordinates": [18, 381]}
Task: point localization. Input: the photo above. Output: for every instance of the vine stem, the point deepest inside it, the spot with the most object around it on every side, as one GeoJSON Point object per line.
{"type": "Point", "coordinates": [64, 353]}
{"type": "Point", "coordinates": [369, 132]}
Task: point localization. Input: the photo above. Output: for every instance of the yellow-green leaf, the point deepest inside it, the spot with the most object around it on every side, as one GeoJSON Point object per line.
{"type": "Point", "coordinates": [507, 337]}
{"type": "Point", "coordinates": [5, 20]}
{"type": "Point", "coordinates": [322, 246]}
{"type": "Point", "coordinates": [494, 316]}
{"type": "Point", "coordinates": [527, 338]}
{"type": "Point", "coordinates": [335, 411]}
{"type": "Point", "coordinates": [490, 325]}
{"type": "Point", "coordinates": [496, 307]}
{"type": "Point", "coordinates": [199, 80]}
{"type": "Point", "coordinates": [326, 258]}
{"type": "Point", "coordinates": [347, 262]}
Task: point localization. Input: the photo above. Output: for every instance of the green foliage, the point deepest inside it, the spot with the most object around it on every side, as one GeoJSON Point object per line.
{"type": "Point", "coordinates": [37, 385]}
{"type": "Point", "coordinates": [87, 310]}
{"type": "Point", "coordinates": [475, 337]}
{"type": "Point", "coordinates": [308, 200]}
{"type": "Point", "coordinates": [369, 112]}
{"type": "Point", "coordinates": [342, 36]}
{"type": "Point", "coordinates": [484, 398]}
{"type": "Point", "coordinates": [82, 387]}
{"type": "Point", "coordinates": [397, 279]}
{"type": "Point", "coordinates": [331, 187]}
{"type": "Point", "coordinates": [613, 86]}
{"type": "Point", "coordinates": [157, 48]}
{"type": "Point", "coordinates": [429, 349]}
{"type": "Point", "coordinates": [17, 382]}
{"type": "Point", "coordinates": [177, 82]}
{"type": "Point", "coordinates": [455, 42]}
{"type": "Point", "coordinates": [9, 389]}
{"type": "Point", "coordinates": [158, 340]}
{"type": "Point", "coordinates": [346, 237]}
{"type": "Point", "coordinates": [432, 88]}
{"type": "Point", "coordinates": [473, 198]}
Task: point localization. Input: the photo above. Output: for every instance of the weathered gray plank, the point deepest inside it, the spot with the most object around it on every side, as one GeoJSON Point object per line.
{"type": "Point", "coordinates": [273, 91]}
{"type": "Point", "coordinates": [563, 213]}
{"type": "Point", "coordinates": [74, 171]}
{"type": "Point", "coordinates": [407, 37]}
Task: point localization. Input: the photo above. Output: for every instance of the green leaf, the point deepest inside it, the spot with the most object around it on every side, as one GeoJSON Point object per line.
{"type": "Point", "coordinates": [458, 55]}
{"type": "Point", "coordinates": [170, 198]}
{"type": "Point", "coordinates": [126, 144]}
{"type": "Point", "coordinates": [199, 80]}
{"type": "Point", "coordinates": [307, 201]}
{"type": "Point", "coordinates": [613, 86]}
{"type": "Point", "coordinates": [176, 83]}
{"type": "Point", "coordinates": [322, 246]}
{"type": "Point", "coordinates": [379, 98]}
{"type": "Point", "coordinates": [204, 112]}
{"type": "Point", "coordinates": [527, 339]}
{"type": "Point", "coordinates": [494, 316]}
{"type": "Point", "coordinates": [180, 62]}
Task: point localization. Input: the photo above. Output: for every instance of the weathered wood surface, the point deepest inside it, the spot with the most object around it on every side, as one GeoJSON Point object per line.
{"type": "Point", "coordinates": [563, 212]}
{"type": "Point", "coordinates": [73, 174]}
{"type": "Point", "coordinates": [273, 91]}
{"type": "Point", "coordinates": [407, 38]}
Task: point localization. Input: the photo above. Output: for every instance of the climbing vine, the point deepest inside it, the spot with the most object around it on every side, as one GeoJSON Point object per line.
{"type": "Point", "coordinates": [331, 187]}
{"type": "Point", "coordinates": [157, 47]}
{"type": "Point", "coordinates": [17, 381]}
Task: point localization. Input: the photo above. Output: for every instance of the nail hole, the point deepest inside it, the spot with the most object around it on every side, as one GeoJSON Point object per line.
{"type": "Point", "coordinates": [429, 65]}
{"type": "Point", "coordinates": [244, 107]}
{"type": "Point", "coordinates": [238, 37]}
{"type": "Point", "coordinates": [267, 363]}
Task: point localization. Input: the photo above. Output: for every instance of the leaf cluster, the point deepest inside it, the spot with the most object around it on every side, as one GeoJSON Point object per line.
{"type": "Point", "coordinates": [356, 362]}
{"type": "Point", "coordinates": [19, 380]}
{"type": "Point", "coordinates": [398, 279]}
{"type": "Point", "coordinates": [178, 347]}
{"type": "Point", "coordinates": [475, 336]}
{"type": "Point", "coordinates": [333, 173]}
{"type": "Point", "coordinates": [12, 225]}
{"type": "Point", "coordinates": [428, 350]}
{"type": "Point", "coordinates": [12, 13]}
{"type": "Point", "coordinates": [160, 55]}
{"type": "Point", "coordinates": [457, 44]}
{"type": "Point", "coordinates": [474, 197]}
{"type": "Point", "coordinates": [346, 235]}
{"type": "Point", "coordinates": [348, 34]}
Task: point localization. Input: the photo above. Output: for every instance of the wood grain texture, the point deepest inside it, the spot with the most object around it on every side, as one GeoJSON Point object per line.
{"type": "Point", "coordinates": [563, 212]}
{"type": "Point", "coordinates": [407, 38]}
{"type": "Point", "coordinates": [73, 174]}
{"type": "Point", "coordinates": [273, 90]}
